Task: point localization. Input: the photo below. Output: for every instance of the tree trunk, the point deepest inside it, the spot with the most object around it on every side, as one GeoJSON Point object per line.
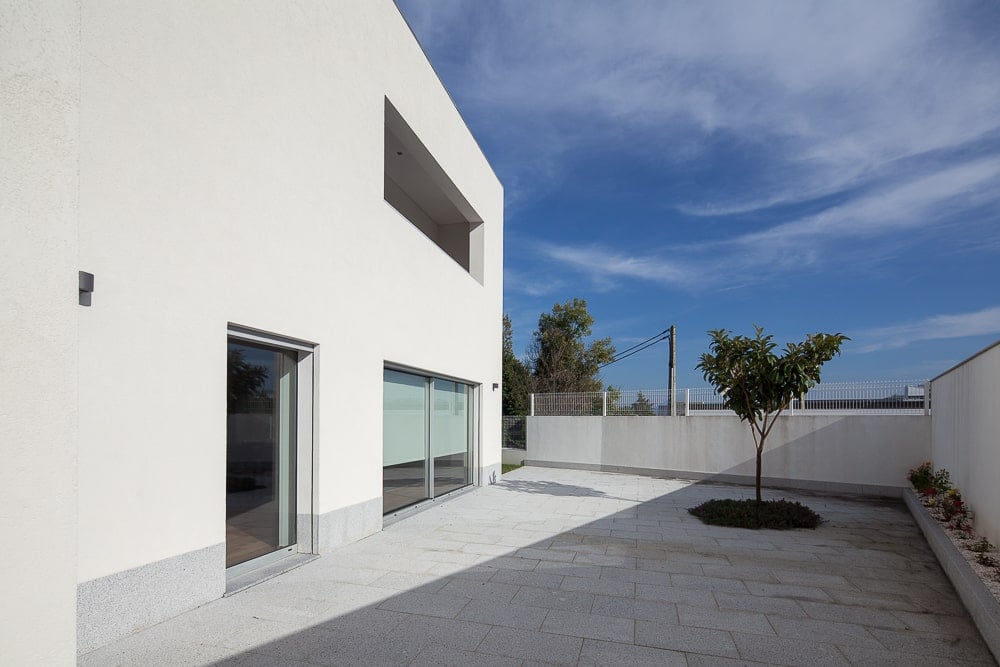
{"type": "Point", "coordinates": [760, 452]}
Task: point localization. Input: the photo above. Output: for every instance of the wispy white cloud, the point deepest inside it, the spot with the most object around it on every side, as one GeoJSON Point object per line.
{"type": "Point", "coordinates": [934, 327]}
{"type": "Point", "coordinates": [804, 243]}
{"type": "Point", "coordinates": [826, 94]}
{"type": "Point", "coordinates": [515, 281]}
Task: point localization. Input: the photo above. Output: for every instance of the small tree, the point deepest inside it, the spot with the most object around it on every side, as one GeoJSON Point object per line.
{"type": "Point", "coordinates": [641, 406]}
{"type": "Point", "coordinates": [756, 383]}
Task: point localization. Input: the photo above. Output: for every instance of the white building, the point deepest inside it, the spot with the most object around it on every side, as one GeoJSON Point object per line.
{"type": "Point", "coordinates": [294, 328]}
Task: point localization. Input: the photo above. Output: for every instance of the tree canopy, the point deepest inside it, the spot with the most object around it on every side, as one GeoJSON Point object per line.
{"type": "Point", "coordinates": [561, 359]}
{"type": "Point", "coordinates": [756, 383]}
{"type": "Point", "coordinates": [517, 382]}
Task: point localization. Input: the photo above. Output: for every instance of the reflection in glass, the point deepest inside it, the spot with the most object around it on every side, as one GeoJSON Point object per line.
{"type": "Point", "coordinates": [260, 451]}
{"type": "Point", "coordinates": [404, 440]}
{"type": "Point", "coordinates": [450, 436]}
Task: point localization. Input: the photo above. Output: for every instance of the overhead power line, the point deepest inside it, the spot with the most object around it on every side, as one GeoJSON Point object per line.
{"type": "Point", "coordinates": [638, 347]}
{"type": "Point", "coordinates": [627, 349]}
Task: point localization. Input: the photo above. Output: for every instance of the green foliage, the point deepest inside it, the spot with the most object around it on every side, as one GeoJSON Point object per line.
{"type": "Point", "coordinates": [952, 504]}
{"type": "Point", "coordinates": [561, 360]}
{"type": "Point", "coordinates": [245, 380]}
{"type": "Point", "coordinates": [756, 383]}
{"type": "Point", "coordinates": [641, 406]}
{"type": "Point", "coordinates": [614, 402]}
{"type": "Point", "coordinates": [517, 380]}
{"type": "Point", "coordinates": [942, 481]}
{"type": "Point", "coordinates": [987, 560]}
{"type": "Point", "coordinates": [776, 514]}
{"type": "Point", "coordinates": [922, 477]}
{"type": "Point", "coordinates": [981, 546]}
{"type": "Point", "coordinates": [508, 467]}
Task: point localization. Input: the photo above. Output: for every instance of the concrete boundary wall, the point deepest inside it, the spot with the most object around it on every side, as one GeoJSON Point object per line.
{"type": "Point", "coordinates": [965, 434]}
{"type": "Point", "coordinates": [866, 454]}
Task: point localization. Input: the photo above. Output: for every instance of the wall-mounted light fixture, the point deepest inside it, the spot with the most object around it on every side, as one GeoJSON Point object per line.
{"type": "Point", "coordinates": [86, 287]}
{"type": "Point", "coordinates": [496, 385]}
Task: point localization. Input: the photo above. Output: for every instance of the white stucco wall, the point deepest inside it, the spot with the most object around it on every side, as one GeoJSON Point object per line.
{"type": "Point", "coordinates": [859, 450]}
{"type": "Point", "coordinates": [965, 426]}
{"type": "Point", "coordinates": [231, 171]}
{"type": "Point", "coordinates": [39, 106]}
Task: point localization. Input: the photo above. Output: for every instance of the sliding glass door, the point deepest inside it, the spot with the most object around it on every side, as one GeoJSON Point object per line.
{"type": "Point", "coordinates": [260, 448]}
{"type": "Point", "coordinates": [426, 438]}
{"type": "Point", "coordinates": [404, 440]}
{"type": "Point", "coordinates": [450, 436]}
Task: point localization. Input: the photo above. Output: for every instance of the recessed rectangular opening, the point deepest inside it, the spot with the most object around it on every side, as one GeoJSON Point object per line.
{"type": "Point", "coordinates": [419, 189]}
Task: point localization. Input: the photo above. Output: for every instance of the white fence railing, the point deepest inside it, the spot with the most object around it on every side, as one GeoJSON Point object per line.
{"type": "Point", "coordinates": [873, 397]}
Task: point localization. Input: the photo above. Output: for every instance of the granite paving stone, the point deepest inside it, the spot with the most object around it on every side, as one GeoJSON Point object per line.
{"type": "Point", "coordinates": [602, 653]}
{"type": "Point", "coordinates": [830, 632]}
{"type": "Point", "coordinates": [742, 621]}
{"type": "Point", "coordinates": [444, 656]}
{"type": "Point", "coordinates": [646, 610]}
{"type": "Point", "coordinates": [572, 567]}
{"type": "Point", "coordinates": [507, 615]}
{"type": "Point", "coordinates": [792, 652]}
{"type": "Point", "coordinates": [527, 645]}
{"type": "Point", "coordinates": [684, 638]}
{"type": "Point", "coordinates": [779, 606]}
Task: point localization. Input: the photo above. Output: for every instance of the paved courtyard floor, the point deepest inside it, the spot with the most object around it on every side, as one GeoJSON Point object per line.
{"type": "Point", "coordinates": [569, 567]}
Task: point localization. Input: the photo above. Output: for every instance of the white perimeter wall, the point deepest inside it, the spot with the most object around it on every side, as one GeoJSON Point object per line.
{"type": "Point", "coordinates": [966, 434]}
{"type": "Point", "coordinates": [39, 106]}
{"type": "Point", "coordinates": [231, 170]}
{"type": "Point", "coordinates": [870, 451]}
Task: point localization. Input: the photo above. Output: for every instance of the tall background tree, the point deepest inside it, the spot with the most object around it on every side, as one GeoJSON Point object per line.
{"type": "Point", "coordinates": [561, 359]}
{"type": "Point", "coordinates": [517, 380]}
{"type": "Point", "coordinates": [756, 383]}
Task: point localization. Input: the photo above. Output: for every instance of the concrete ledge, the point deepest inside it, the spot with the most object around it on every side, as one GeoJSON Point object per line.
{"type": "Point", "coordinates": [116, 605]}
{"type": "Point", "coordinates": [742, 480]}
{"type": "Point", "coordinates": [978, 600]}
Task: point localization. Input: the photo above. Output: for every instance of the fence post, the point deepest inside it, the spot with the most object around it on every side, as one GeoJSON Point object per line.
{"type": "Point", "coordinates": [791, 407]}
{"type": "Point", "coordinates": [687, 402]}
{"type": "Point", "coordinates": [532, 405]}
{"type": "Point", "coordinates": [604, 404]}
{"type": "Point", "coordinates": [927, 397]}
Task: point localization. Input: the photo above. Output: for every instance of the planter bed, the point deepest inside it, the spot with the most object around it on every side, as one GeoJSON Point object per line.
{"type": "Point", "coordinates": [977, 598]}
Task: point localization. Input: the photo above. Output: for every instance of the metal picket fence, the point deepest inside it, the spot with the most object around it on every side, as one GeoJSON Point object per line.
{"type": "Point", "coordinates": [515, 432]}
{"type": "Point", "coordinates": [890, 397]}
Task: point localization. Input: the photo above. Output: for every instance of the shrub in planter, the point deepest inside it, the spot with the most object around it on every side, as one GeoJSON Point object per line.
{"type": "Point", "coordinates": [922, 478]}
{"type": "Point", "coordinates": [981, 546]}
{"type": "Point", "coordinates": [952, 505]}
{"type": "Point", "coordinates": [942, 481]}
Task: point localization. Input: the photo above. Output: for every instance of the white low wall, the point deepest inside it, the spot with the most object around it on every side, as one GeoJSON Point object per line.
{"type": "Point", "coordinates": [859, 453]}
{"type": "Point", "coordinates": [513, 456]}
{"type": "Point", "coordinates": [965, 434]}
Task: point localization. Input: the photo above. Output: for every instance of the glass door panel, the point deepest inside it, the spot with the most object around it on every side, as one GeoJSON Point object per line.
{"type": "Point", "coordinates": [450, 436]}
{"type": "Point", "coordinates": [260, 451]}
{"type": "Point", "coordinates": [404, 440]}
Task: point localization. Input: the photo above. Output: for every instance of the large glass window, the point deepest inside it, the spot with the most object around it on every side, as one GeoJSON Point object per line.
{"type": "Point", "coordinates": [450, 436]}
{"type": "Point", "coordinates": [426, 438]}
{"type": "Point", "coordinates": [404, 440]}
{"type": "Point", "coordinates": [261, 443]}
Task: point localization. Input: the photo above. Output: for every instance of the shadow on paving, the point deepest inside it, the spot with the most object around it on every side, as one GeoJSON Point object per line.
{"type": "Point", "coordinates": [572, 567]}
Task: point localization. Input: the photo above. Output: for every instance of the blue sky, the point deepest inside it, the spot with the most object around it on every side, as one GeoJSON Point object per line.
{"type": "Point", "coordinates": [830, 166]}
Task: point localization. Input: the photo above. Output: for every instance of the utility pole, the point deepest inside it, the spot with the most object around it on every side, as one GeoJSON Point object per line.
{"type": "Point", "coordinates": [673, 371]}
